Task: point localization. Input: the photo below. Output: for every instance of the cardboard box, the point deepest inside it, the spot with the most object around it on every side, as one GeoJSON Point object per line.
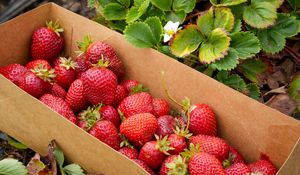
{"type": "Point", "coordinates": [246, 124]}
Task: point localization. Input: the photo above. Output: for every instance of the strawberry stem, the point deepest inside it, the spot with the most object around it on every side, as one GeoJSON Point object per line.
{"type": "Point", "coordinates": [83, 45]}
{"type": "Point", "coordinates": [55, 27]}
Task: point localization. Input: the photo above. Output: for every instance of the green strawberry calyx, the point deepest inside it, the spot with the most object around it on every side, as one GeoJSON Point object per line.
{"type": "Point", "coordinates": [125, 142]}
{"type": "Point", "coordinates": [178, 166]}
{"type": "Point", "coordinates": [137, 89]}
{"type": "Point", "coordinates": [55, 27]}
{"type": "Point", "coordinates": [163, 145]}
{"type": "Point", "coordinates": [102, 63]}
{"type": "Point", "coordinates": [84, 45]}
{"type": "Point", "coordinates": [45, 74]}
{"type": "Point", "coordinates": [226, 163]}
{"type": "Point", "coordinates": [68, 63]}
{"type": "Point", "coordinates": [187, 154]}
{"type": "Point", "coordinates": [182, 131]}
{"type": "Point", "coordinates": [91, 115]}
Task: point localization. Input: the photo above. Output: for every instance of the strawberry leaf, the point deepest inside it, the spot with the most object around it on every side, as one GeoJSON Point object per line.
{"type": "Point", "coordinates": [140, 35]}
{"type": "Point", "coordinates": [294, 3]}
{"type": "Point", "coordinates": [253, 91]}
{"type": "Point", "coordinates": [260, 14]}
{"type": "Point", "coordinates": [163, 5]}
{"type": "Point", "coordinates": [286, 25]}
{"type": "Point", "coordinates": [215, 47]}
{"type": "Point", "coordinates": [125, 3]}
{"type": "Point", "coordinates": [186, 41]}
{"type": "Point", "coordinates": [251, 68]}
{"type": "Point", "coordinates": [15, 143]}
{"type": "Point", "coordinates": [118, 25]}
{"type": "Point", "coordinates": [237, 26]}
{"type": "Point", "coordinates": [229, 62]}
{"type": "Point", "coordinates": [114, 11]}
{"type": "Point", "coordinates": [12, 167]}
{"type": "Point", "coordinates": [136, 11]}
{"type": "Point", "coordinates": [73, 169]}
{"type": "Point", "coordinates": [294, 88]}
{"type": "Point", "coordinates": [186, 6]}
{"type": "Point", "coordinates": [227, 2]}
{"type": "Point", "coordinates": [156, 27]}
{"type": "Point", "coordinates": [59, 156]}
{"type": "Point", "coordinates": [178, 16]}
{"type": "Point", "coordinates": [234, 81]}
{"type": "Point", "coordinates": [271, 41]}
{"type": "Point", "coordinates": [245, 43]}
{"type": "Point", "coordinates": [277, 3]}
{"type": "Point", "coordinates": [104, 3]}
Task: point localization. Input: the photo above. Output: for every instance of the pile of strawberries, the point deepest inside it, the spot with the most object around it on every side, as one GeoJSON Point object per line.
{"type": "Point", "coordinates": [88, 90]}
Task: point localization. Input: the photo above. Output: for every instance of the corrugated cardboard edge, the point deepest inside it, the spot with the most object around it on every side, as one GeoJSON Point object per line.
{"type": "Point", "coordinates": [292, 165]}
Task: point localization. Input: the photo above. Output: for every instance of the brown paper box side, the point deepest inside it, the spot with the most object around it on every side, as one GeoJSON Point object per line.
{"type": "Point", "coordinates": [244, 123]}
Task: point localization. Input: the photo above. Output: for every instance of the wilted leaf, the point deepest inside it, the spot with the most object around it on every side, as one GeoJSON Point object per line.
{"type": "Point", "coordinates": [136, 11]}
{"type": "Point", "coordinates": [186, 6]}
{"type": "Point", "coordinates": [283, 103]}
{"type": "Point", "coordinates": [73, 169]}
{"type": "Point", "coordinates": [164, 5]}
{"type": "Point", "coordinates": [35, 166]}
{"type": "Point", "coordinates": [156, 27]}
{"type": "Point", "coordinates": [260, 14]}
{"type": "Point", "coordinates": [227, 2]}
{"type": "Point", "coordinates": [13, 142]}
{"type": "Point", "coordinates": [186, 41]}
{"type": "Point", "coordinates": [229, 62]}
{"type": "Point", "coordinates": [234, 81]}
{"type": "Point", "coordinates": [245, 43]}
{"type": "Point", "coordinates": [114, 11]}
{"type": "Point", "coordinates": [251, 68]}
{"type": "Point", "coordinates": [140, 35]}
{"type": "Point", "coordinates": [215, 47]}
{"type": "Point", "coordinates": [178, 16]}
{"type": "Point", "coordinates": [12, 167]}
{"type": "Point", "coordinates": [205, 22]}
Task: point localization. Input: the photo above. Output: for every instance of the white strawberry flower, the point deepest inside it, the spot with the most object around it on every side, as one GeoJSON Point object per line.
{"type": "Point", "coordinates": [170, 29]}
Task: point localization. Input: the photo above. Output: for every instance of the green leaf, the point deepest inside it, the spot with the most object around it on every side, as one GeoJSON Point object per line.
{"type": "Point", "coordinates": [229, 62]}
{"type": "Point", "coordinates": [15, 143]}
{"type": "Point", "coordinates": [218, 18]}
{"type": "Point", "coordinates": [73, 169]}
{"type": "Point", "coordinates": [253, 91]}
{"type": "Point", "coordinates": [91, 3]}
{"type": "Point", "coordinates": [238, 10]}
{"type": "Point", "coordinates": [237, 26]}
{"type": "Point", "coordinates": [215, 47]}
{"type": "Point", "coordinates": [140, 35]}
{"type": "Point", "coordinates": [59, 156]}
{"type": "Point", "coordinates": [178, 16]}
{"type": "Point", "coordinates": [154, 11]}
{"type": "Point", "coordinates": [119, 25]}
{"type": "Point", "coordinates": [294, 88]}
{"type": "Point", "coordinates": [277, 3]}
{"type": "Point", "coordinates": [125, 3]}
{"type": "Point", "coordinates": [260, 14]}
{"type": "Point", "coordinates": [226, 2]}
{"type": "Point", "coordinates": [104, 3]}
{"type": "Point", "coordinates": [137, 11]}
{"type": "Point", "coordinates": [114, 11]}
{"type": "Point", "coordinates": [156, 27]}
{"type": "Point", "coordinates": [271, 41]}
{"type": "Point", "coordinates": [294, 3]}
{"type": "Point", "coordinates": [186, 6]}
{"type": "Point", "coordinates": [234, 81]}
{"type": "Point", "coordinates": [12, 167]}
{"type": "Point", "coordinates": [251, 68]}
{"type": "Point", "coordinates": [186, 41]}
{"type": "Point", "coordinates": [163, 5]}
{"type": "Point", "coordinates": [245, 43]}
{"type": "Point", "coordinates": [286, 25]}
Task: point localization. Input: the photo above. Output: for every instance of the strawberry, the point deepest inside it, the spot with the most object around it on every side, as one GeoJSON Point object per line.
{"type": "Point", "coordinates": [173, 164]}
{"type": "Point", "coordinates": [94, 51]}
{"type": "Point", "coordinates": [178, 143]}
{"type": "Point", "coordinates": [13, 72]}
{"type": "Point", "coordinates": [205, 164]}
{"type": "Point", "coordinates": [144, 166]}
{"type": "Point", "coordinates": [36, 82]}
{"type": "Point", "coordinates": [233, 157]}
{"type": "Point", "coordinates": [58, 91]}
{"type": "Point", "coordinates": [129, 85]}
{"type": "Point", "coordinates": [99, 85]}
{"type": "Point", "coordinates": [82, 64]}
{"type": "Point", "coordinates": [38, 64]}
{"type": "Point", "coordinates": [238, 169]}
{"type": "Point", "coordinates": [263, 166]}
{"type": "Point", "coordinates": [110, 113]}
{"type": "Point", "coordinates": [65, 72]}
{"type": "Point", "coordinates": [56, 62]}
{"type": "Point", "coordinates": [136, 104]}
{"type": "Point", "coordinates": [139, 128]}
{"type": "Point", "coordinates": [59, 105]}
{"type": "Point", "coordinates": [46, 42]}
{"type": "Point", "coordinates": [106, 132]}
{"type": "Point", "coordinates": [160, 107]}
{"type": "Point", "coordinates": [153, 153]}
{"type": "Point", "coordinates": [131, 153]}
{"type": "Point", "coordinates": [202, 120]}
{"type": "Point", "coordinates": [212, 145]}
{"type": "Point", "coordinates": [166, 124]}
{"type": "Point", "coordinates": [75, 96]}
{"type": "Point", "coordinates": [119, 95]}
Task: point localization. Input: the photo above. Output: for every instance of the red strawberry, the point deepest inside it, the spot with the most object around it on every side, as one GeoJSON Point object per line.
{"type": "Point", "coordinates": [212, 145]}
{"type": "Point", "coordinates": [82, 64]}
{"type": "Point", "coordinates": [65, 72]}
{"type": "Point", "coordinates": [234, 156]}
{"type": "Point", "coordinates": [38, 64]}
{"type": "Point", "coordinates": [46, 42]}
{"type": "Point", "coordinates": [153, 153]}
{"type": "Point", "coordinates": [131, 153]}
{"type": "Point", "coordinates": [58, 91]}
{"type": "Point", "coordinates": [178, 143]}
{"type": "Point", "coordinates": [139, 128]}
{"type": "Point", "coordinates": [263, 166]}
{"type": "Point", "coordinates": [37, 82]}
{"type": "Point", "coordinates": [106, 132]}
{"type": "Point", "coordinates": [58, 105]}
{"type": "Point", "coordinates": [205, 164]}
{"type": "Point", "coordinates": [173, 164]}
{"type": "Point", "coordinates": [119, 95]}
{"type": "Point", "coordinates": [95, 51]}
{"type": "Point", "coordinates": [100, 85]}
{"type": "Point", "coordinates": [129, 85]}
{"type": "Point", "coordinates": [202, 120]}
{"type": "Point", "coordinates": [75, 96]}
{"type": "Point", "coordinates": [13, 72]}
{"type": "Point", "coordinates": [166, 125]}
{"type": "Point", "coordinates": [238, 169]}
{"type": "Point", "coordinates": [160, 107]}
{"type": "Point", "coordinates": [136, 104]}
{"type": "Point", "coordinates": [110, 113]}
{"type": "Point", "coordinates": [56, 62]}
{"type": "Point", "coordinates": [144, 166]}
